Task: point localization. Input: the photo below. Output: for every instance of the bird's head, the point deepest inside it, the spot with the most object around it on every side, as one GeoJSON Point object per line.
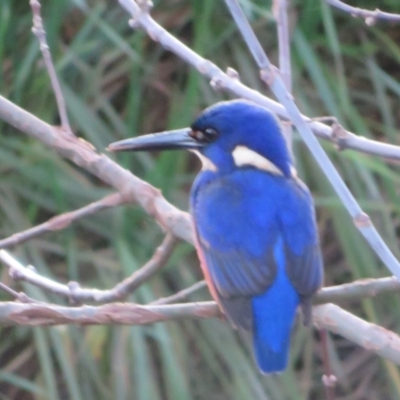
{"type": "Point", "coordinates": [227, 135]}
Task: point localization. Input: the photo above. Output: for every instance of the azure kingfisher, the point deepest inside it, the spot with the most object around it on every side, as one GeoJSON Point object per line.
{"type": "Point", "coordinates": [254, 222]}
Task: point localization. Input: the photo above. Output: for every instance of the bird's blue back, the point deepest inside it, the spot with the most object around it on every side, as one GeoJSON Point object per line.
{"type": "Point", "coordinates": [258, 240]}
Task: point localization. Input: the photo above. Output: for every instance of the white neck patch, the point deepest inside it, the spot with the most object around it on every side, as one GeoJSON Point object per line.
{"type": "Point", "coordinates": [207, 164]}
{"type": "Point", "coordinates": [242, 156]}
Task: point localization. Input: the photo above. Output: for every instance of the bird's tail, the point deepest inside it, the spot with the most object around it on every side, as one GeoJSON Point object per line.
{"type": "Point", "coordinates": [273, 316]}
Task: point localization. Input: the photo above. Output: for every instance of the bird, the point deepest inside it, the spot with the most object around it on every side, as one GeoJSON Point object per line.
{"type": "Point", "coordinates": [254, 222]}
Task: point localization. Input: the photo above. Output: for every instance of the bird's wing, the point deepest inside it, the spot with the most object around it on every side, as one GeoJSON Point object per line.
{"type": "Point", "coordinates": [238, 224]}
{"type": "Point", "coordinates": [235, 273]}
{"type": "Point", "coordinates": [301, 246]}
{"type": "Point", "coordinates": [235, 237]}
{"type": "Point", "coordinates": [236, 278]}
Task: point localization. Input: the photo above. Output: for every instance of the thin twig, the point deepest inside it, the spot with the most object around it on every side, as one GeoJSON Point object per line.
{"type": "Point", "coordinates": [281, 15]}
{"type": "Point", "coordinates": [328, 379]}
{"type": "Point", "coordinates": [369, 16]}
{"type": "Point", "coordinates": [40, 33]}
{"type": "Point", "coordinates": [82, 153]}
{"type": "Point", "coordinates": [280, 8]}
{"type": "Point", "coordinates": [136, 190]}
{"type": "Point", "coordinates": [331, 317]}
{"type": "Point", "coordinates": [363, 288]}
{"type": "Point", "coordinates": [62, 221]}
{"type": "Point", "coordinates": [28, 274]}
{"type": "Point", "coordinates": [181, 295]}
{"type": "Point", "coordinates": [130, 284]}
{"type": "Point", "coordinates": [270, 74]}
{"type": "Point", "coordinates": [220, 80]}
{"type": "Point", "coordinates": [77, 294]}
{"type": "Point", "coordinates": [20, 296]}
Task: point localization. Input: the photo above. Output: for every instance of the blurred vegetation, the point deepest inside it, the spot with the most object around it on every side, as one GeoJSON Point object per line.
{"type": "Point", "coordinates": [118, 83]}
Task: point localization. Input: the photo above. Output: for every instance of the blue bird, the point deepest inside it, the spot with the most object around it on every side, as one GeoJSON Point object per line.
{"type": "Point", "coordinates": [254, 222]}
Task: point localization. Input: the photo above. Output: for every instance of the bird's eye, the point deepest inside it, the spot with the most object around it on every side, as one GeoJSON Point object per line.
{"type": "Point", "coordinates": [211, 134]}
{"type": "Point", "coordinates": [205, 136]}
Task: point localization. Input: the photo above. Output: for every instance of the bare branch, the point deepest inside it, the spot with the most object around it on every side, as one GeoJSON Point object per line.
{"type": "Point", "coordinates": [328, 379]}
{"type": "Point", "coordinates": [28, 274]}
{"type": "Point", "coordinates": [370, 336]}
{"type": "Point", "coordinates": [76, 294]}
{"type": "Point", "coordinates": [349, 140]}
{"type": "Point", "coordinates": [20, 296]}
{"type": "Point", "coordinates": [333, 318]}
{"type": "Point", "coordinates": [222, 81]}
{"type": "Point", "coordinates": [135, 190]}
{"type": "Point", "coordinates": [370, 17]}
{"type": "Point", "coordinates": [40, 33]}
{"type": "Point", "coordinates": [280, 8]}
{"type": "Point", "coordinates": [128, 285]}
{"type": "Point", "coordinates": [13, 313]}
{"type": "Point", "coordinates": [358, 289]}
{"type": "Point", "coordinates": [62, 221]}
{"type": "Point", "coordinates": [182, 294]}
{"type": "Point", "coordinates": [270, 74]}
{"type": "Point", "coordinates": [83, 154]}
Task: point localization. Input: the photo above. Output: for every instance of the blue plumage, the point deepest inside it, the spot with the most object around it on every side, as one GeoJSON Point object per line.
{"type": "Point", "coordinates": [273, 314]}
{"type": "Point", "coordinates": [254, 222]}
{"type": "Point", "coordinates": [249, 223]}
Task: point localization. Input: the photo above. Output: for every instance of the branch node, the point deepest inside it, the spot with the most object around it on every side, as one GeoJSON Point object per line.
{"type": "Point", "coordinates": [44, 47]}
{"type": "Point", "coordinates": [31, 268]}
{"type": "Point", "coordinates": [15, 274]}
{"type": "Point", "coordinates": [24, 298]}
{"type": "Point", "coordinates": [73, 287]}
{"type": "Point", "coordinates": [60, 222]}
{"type": "Point", "coordinates": [370, 21]}
{"type": "Point", "coordinates": [134, 23]}
{"type": "Point", "coordinates": [39, 31]}
{"type": "Point", "coordinates": [268, 75]}
{"type": "Point", "coordinates": [232, 73]}
{"type": "Point", "coordinates": [329, 380]}
{"type": "Point", "coordinates": [362, 221]}
{"type": "Point", "coordinates": [217, 84]}
{"type": "Point", "coordinates": [204, 66]}
{"type": "Point", "coordinates": [339, 136]}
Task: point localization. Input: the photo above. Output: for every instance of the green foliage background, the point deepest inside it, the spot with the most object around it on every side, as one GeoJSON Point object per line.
{"type": "Point", "coordinates": [118, 83]}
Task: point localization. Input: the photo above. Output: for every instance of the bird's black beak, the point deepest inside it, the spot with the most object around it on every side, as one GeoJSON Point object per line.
{"type": "Point", "coordinates": [177, 139]}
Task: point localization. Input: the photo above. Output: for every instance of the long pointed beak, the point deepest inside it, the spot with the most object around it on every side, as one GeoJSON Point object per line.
{"type": "Point", "coordinates": [169, 140]}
